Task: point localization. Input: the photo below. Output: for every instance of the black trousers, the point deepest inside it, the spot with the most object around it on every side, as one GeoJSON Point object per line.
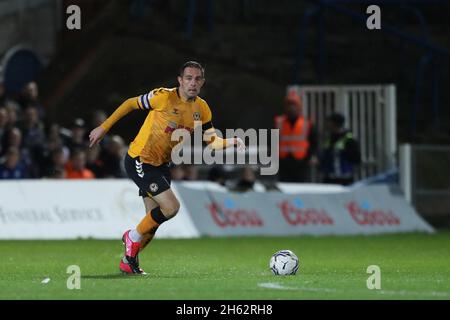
{"type": "Point", "coordinates": [293, 170]}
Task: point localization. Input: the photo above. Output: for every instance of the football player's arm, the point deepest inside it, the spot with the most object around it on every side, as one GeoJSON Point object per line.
{"type": "Point", "coordinates": [210, 136]}
{"type": "Point", "coordinates": [97, 134]}
{"type": "Point", "coordinates": [218, 143]}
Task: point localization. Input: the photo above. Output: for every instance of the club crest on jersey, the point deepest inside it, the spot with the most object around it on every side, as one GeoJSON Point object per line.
{"type": "Point", "coordinates": [154, 187]}
{"type": "Point", "coordinates": [175, 111]}
{"type": "Point", "coordinates": [197, 116]}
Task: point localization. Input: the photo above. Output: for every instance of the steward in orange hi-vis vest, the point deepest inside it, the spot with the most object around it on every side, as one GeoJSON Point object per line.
{"type": "Point", "coordinates": [298, 140]}
{"type": "Point", "coordinates": [293, 138]}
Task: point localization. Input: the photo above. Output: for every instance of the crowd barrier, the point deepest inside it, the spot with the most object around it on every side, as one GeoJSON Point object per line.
{"type": "Point", "coordinates": [103, 209]}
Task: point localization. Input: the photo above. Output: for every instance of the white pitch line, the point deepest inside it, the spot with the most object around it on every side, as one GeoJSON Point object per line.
{"type": "Point", "coordinates": [405, 292]}
{"type": "Point", "coordinates": [277, 286]}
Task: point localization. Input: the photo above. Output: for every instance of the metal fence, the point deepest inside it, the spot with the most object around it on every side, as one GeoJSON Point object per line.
{"type": "Point", "coordinates": [425, 178]}
{"type": "Point", "coordinates": [370, 113]}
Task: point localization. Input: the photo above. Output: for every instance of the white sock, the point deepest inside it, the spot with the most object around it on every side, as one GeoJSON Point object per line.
{"type": "Point", "coordinates": [135, 236]}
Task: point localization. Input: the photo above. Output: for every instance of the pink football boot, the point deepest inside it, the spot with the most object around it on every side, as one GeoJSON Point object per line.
{"type": "Point", "coordinates": [129, 264]}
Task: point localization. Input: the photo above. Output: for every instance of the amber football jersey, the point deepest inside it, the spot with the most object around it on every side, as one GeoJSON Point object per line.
{"type": "Point", "coordinates": [167, 112]}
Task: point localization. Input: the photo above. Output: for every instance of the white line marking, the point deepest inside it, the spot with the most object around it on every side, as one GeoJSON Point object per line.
{"type": "Point", "coordinates": [277, 286]}
{"type": "Point", "coordinates": [45, 281]}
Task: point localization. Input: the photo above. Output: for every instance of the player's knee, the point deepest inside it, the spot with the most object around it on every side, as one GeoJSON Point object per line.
{"type": "Point", "coordinates": [171, 210]}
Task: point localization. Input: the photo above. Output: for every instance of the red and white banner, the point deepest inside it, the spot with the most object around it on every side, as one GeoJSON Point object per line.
{"type": "Point", "coordinates": [366, 210]}
{"type": "Point", "coordinates": [104, 209]}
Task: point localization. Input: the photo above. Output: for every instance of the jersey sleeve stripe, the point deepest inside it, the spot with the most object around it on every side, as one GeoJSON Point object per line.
{"type": "Point", "coordinates": [145, 99]}
{"type": "Point", "coordinates": [139, 103]}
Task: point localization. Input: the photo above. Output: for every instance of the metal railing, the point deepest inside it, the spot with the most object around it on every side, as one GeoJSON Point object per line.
{"type": "Point", "coordinates": [370, 112]}
{"type": "Point", "coordinates": [425, 179]}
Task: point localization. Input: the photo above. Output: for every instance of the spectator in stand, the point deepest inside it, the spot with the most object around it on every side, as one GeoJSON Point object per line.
{"type": "Point", "coordinates": [97, 118]}
{"type": "Point", "coordinates": [246, 181]}
{"type": "Point", "coordinates": [12, 109]}
{"type": "Point", "coordinates": [77, 139]}
{"type": "Point", "coordinates": [93, 161]}
{"type": "Point", "coordinates": [56, 139]}
{"type": "Point", "coordinates": [112, 157]}
{"type": "Point", "coordinates": [217, 174]}
{"type": "Point", "coordinates": [177, 173]}
{"type": "Point", "coordinates": [30, 97]}
{"type": "Point", "coordinates": [298, 141]}
{"type": "Point", "coordinates": [58, 173]}
{"type": "Point", "coordinates": [57, 163]}
{"type": "Point", "coordinates": [3, 125]}
{"type": "Point", "coordinates": [32, 129]}
{"type": "Point", "coordinates": [76, 167]}
{"type": "Point", "coordinates": [33, 137]}
{"type": "Point", "coordinates": [13, 138]}
{"type": "Point", "coordinates": [190, 172]}
{"type": "Point", "coordinates": [53, 142]}
{"type": "Point", "coordinates": [12, 167]}
{"type": "Point", "coordinates": [2, 94]}
{"type": "Point", "coordinates": [341, 153]}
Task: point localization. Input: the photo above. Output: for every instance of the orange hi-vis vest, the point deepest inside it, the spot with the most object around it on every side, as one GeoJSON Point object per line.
{"type": "Point", "coordinates": [293, 139]}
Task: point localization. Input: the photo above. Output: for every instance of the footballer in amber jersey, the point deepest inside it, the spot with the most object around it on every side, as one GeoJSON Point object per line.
{"type": "Point", "coordinates": [169, 111]}
{"type": "Point", "coordinates": [149, 154]}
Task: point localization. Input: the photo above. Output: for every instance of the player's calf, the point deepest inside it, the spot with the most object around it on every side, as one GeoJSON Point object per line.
{"type": "Point", "coordinates": [147, 238]}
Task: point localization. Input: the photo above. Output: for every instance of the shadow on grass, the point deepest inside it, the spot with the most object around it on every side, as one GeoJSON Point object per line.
{"type": "Point", "coordinates": [134, 276]}
{"type": "Point", "coordinates": [112, 276]}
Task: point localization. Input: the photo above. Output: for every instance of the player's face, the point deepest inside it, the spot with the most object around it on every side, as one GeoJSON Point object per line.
{"type": "Point", "coordinates": [191, 82]}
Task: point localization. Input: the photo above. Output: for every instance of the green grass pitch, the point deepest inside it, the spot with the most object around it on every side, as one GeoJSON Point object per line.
{"type": "Point", "coordinates": [413, 266]}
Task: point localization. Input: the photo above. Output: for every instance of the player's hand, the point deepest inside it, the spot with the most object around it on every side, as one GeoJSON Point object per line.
{"type": "Point", "coordinates": [240, 145]}
{"type": "Point", "coordinates": [96, 135]}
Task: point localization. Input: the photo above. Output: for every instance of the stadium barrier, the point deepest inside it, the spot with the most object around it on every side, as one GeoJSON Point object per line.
{"type": "Point", "coordinates": [100, 209]}
{"type": "Point", "coordinates": [104, 209]}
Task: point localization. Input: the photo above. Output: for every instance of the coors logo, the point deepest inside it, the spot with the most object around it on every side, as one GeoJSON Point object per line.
{"type": "Point", "coordinates": [230, 216]}
{"type": "Point", "coordinates": [296, 214]}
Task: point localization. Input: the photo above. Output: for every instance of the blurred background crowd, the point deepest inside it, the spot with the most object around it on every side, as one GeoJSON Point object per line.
{"type": "Point", "coordinates": [33, 148]}
{"type": "Point", "coordinates": [56, 84]}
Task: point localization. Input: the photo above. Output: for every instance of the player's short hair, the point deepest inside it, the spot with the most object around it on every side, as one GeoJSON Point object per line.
{"type": "Point", "coordinates": [192, 64]}
{"type": "Point", "coordinates": [337, 118]}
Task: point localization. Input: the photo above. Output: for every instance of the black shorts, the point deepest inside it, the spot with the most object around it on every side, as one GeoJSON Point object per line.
{"type": "Point", "coordinates": [151, 180]}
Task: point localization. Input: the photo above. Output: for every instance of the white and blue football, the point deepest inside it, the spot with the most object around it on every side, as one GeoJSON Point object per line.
{"type": "Point", "coordinates": [284, 263]}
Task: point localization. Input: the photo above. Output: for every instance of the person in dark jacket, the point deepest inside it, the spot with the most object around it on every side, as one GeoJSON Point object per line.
{"type": "Point", "coordinates": [340, 155]}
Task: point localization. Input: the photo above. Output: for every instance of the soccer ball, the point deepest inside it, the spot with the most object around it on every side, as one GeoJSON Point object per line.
{"type": "Point", "coordinates": [284, 262]}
